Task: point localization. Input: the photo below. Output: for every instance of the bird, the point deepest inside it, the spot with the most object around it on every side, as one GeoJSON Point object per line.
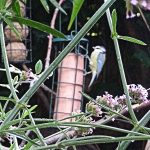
{"type": "Point", "coordinates": [96, 62]}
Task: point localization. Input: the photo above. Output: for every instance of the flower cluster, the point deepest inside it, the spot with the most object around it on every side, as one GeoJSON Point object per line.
{"type": "Point", "coordinates": [84, 119]}
{"type": "Point", "coordinates": [94, 109]}
{"type": "Point", "coordinates": [108, 100]}
{"type": "Point", "coordinates": [138, 93]}
{"type": "Point", "coordinates": [134, 2]}
{"type": "Point", "coordinates": [129, 11]}
{"type": "Point", "coordinates": [129, 6]}
{"type": "Point", "coordinates": [121, 100]}
{"type": "Point", "coordinates": [143, 3]}
{"type": "Point", "coordinates": [29, 77]}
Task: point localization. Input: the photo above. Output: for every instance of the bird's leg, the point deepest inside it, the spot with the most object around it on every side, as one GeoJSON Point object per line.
{"type": "Point", "coordinates": [87, 73]}
{"type": "Point", "coordinates": [88, 58]}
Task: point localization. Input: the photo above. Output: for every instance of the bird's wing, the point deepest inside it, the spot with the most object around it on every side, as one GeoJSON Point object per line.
{"type": "Point", "coordinates": [101, 60]}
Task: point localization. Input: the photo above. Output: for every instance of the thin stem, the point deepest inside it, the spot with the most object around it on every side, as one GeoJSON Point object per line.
{"type": "Point", "coordinates": [54, 137]}
{"type": "Point", "coordinates": [99, 13]}
{"type": "Point", "coordinates": [37, 130]}
{"type": "Point", "coordinates": [23, 142]}
{"type": "Point", "coordinates": [6, 64]}
{"type": "Point", "coordinates": [124, 144]}
{"type": "Point", "coordinates": [91, 140]}
{"type": "Point", "coordinates": [16, 143]}
{"type": "Point", "coordinates": [6, 104]}
{"type": "Point", "coordinates": [121, 68]}
{"type": "Point", "coordinates": [147, 129]}
{"type": "Point", "coordinates": [52, 25]}
{"type": "Point", "coordinates": [71, 124]}
{"type": "Point", "coordinates": [107, 108]}
{"type": "Point", "coordinates": [65, 135]}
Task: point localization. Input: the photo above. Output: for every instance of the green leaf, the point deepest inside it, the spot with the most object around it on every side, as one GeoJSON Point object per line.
{"type": "Point", "coordinates": [3, 98]}
{"type": "Point", "coordinates": [114, 20]}
{"type": "Point", "coordinates": [130, 39]}
{"type": "Point", "coordinates": [26, 112]}
{"type": "Point", "coordinates": [38, 67]}
{"type": "Point", "coordinates": [16, 8]}
{"type": "Point", "coordinates": [45, 5]}
{"type": "Point", "coordinates": [2, 115]}
{"type": "Point", "coordinates": [2, 4]}
{"type": "Point", "coordinates": [38, 26]}
{"type": "Point", "coordinates": [56, 4]}
{"type": "Point", "coordinates": [23, 137]}
{"type": "Point", "coordinates": [15, 80]}
{"type": "Point", "coordinates": [12, 27]}
{"type": "Point", "coordinates": [9, 4]}
{"type": "Point", "coordinates": [77, 4]}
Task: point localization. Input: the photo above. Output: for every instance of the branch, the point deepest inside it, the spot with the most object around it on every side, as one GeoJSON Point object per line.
{"type": "Point", "coordinates": [52, 25]}
{"type": "Point", "coordinates": [71, 133]}
{"type": "Point", "coordinates": [6, 63]}
{"type": "Point", "coordinates": [44, 87]}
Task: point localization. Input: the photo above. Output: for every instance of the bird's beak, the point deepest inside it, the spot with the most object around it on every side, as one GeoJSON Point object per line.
{"type": "Point", "coordinates": [93, 47]}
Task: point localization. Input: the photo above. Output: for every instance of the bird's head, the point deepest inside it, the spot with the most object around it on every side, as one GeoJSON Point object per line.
{"type": "Point", "coordinates": [101, 49]}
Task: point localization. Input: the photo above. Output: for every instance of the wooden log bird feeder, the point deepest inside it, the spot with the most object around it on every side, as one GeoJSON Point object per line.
{"type": "Point", "coordinates": [68, 80]}
{"type": "Point", "coordinates": [19, 49]}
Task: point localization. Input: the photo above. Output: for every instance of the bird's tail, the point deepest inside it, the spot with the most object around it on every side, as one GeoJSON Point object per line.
{"type": "Point", "coordinates": [93, 77]}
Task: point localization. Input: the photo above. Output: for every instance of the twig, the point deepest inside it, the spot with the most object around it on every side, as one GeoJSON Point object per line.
{"type": "Point", "coordinates": [121, 68]}
{"type": "Point", "coordinates": [37, 131]}
{"type": "Point", "coordinates": [54, 138]}
{"type": "Point", "coordinates": [6, 63]}
{"type": "Point", "coordinates": [40, 92]}
{"type": "Point", "coordinates": [23, 142]}
{"type": "Point", "coordinates": [52, 25]}
{"type": "Point", "coordinates": [44, 87]}
{"type": "Point", "coordinates": [61, 136]}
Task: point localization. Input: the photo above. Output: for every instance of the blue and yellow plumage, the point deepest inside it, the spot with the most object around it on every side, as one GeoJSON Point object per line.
{"type": "Point", "coordinates": [97, 60]}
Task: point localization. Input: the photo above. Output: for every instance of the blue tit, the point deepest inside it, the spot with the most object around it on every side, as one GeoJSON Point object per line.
{"type": "Point", "coordinates": [97, 60]}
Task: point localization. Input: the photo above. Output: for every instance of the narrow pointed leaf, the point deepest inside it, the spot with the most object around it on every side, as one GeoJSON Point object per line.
{"type": "Point", "coordinates": [45, 5]}
{"type": "Point", "coordinates": [9, 3]}
{"type": "Point", "coordinates": [3, 98]}
{"type": "Point", "coordinates": [114, 20]}
{"type": "Point", "coordinates": [12, 27]}
{"type": "Point", "coordinates": [38, 67]}
{"type": "Point", "coordinates": [56, 4]}
{"type": "Point", "coordinates": [2, 111]}
{"type": "Point", "coordinates": [2, 4]}
{"type": "Point", "coordinates": [38, 26]}
{"type": "Point", "coordinates": [26, 112]}
{"type": "Point", "coordinates": [16, 8]}
{"type": "Point", "coordinates": [23, 137]}
{"type": "Point", "coordinates": [15, 80]}
{"type": "Point", "coordinates": [130, 39]}
{"type": "Point", "coordinates": [77, 4]}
